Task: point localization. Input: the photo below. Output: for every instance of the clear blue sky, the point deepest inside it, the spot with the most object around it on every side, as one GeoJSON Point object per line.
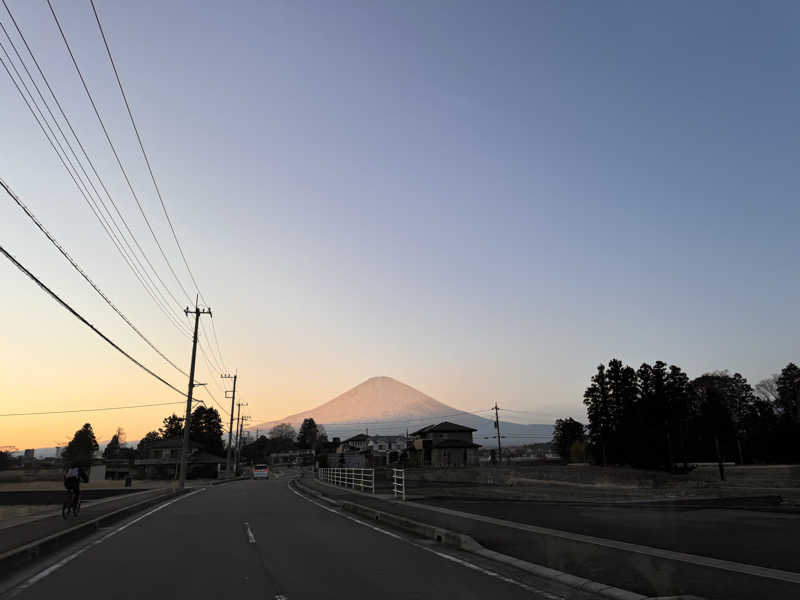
{"type": "Point", "coordinates": [484, 200]}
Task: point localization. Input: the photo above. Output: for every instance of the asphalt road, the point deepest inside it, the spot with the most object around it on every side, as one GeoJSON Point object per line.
{"type": "Point", "coordinates": [258, 539]}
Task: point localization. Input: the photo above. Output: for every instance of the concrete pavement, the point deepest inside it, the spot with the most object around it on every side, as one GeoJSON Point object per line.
{"type": "Point", "coordinates": [260, 539]}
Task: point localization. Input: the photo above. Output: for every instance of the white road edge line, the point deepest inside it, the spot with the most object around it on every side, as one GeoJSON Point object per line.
{"type": "Point", "coordinates": [459, 561]}
{"type": "Point", "coordinates": [67, 559]}
{"type": "Point", "coordinates": [250, 537]}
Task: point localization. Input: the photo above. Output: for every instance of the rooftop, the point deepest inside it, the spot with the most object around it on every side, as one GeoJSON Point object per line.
{"type": "Point", "coordinates": [444, 426]}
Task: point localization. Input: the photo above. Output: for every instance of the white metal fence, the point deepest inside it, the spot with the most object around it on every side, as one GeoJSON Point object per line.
{"type": "Point", "coordinates": [360, 479]}
{"type": "Point", "coordinates": [399, 483]}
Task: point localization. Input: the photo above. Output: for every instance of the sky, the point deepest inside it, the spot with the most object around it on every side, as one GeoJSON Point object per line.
{"type": "Point", "coordinates": [483, 200]}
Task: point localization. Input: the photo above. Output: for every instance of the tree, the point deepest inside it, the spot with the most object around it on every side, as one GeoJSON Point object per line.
{"type": "Point", "coordinates": [172, 427]}
{"type": "Point", "coordinates": [723, 402]}
{"type": "Point", "coordinates": [650, 444]}
{"type": "Point", "coordinates": [282, 431]}
{"type": "Point", "coordinates": [148, 439]}
{"type": "Point", "coordinates": [311, 435]}
{"type": "Point", "coordinates": [80, 450]}
{"type": "Point", "coordinates": [256, 451]}
{"type": "Point", "coordinates": [788, 388]}
{"type": "Point", "coordinates": [679, 399]}
{"type": "Point", "coordinates": [601, 419]}
{"type": "Point", "coordinates": [565, 433]}
{"type": "Point", "coordinates": [205, 427]}
{"type": "Point", "coordinates": [113, 447]}
{"type": "Point", "coordinates": [282, 437]}
{"type": "Point", "coordinates": [6, 457]}
{"type": "Point", "coordinates": [622, 394]}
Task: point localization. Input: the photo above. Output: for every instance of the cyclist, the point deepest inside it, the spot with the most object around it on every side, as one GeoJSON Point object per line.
{"type": "Point", "coordinates": [72, 482]}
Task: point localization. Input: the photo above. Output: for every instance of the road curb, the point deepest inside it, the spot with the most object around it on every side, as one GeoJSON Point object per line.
{"type": "Point", "coordinates": [13, 559]}
{"type": "Point", "coordinates": [465, 542]}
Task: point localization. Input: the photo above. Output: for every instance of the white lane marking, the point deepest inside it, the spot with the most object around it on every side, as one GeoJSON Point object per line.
{"type": "Point", "coordinates": [459, 561]}
{"type": "Point", "coordinates": [281, 597]}
{"type": "Point", "coordinates": [250, 537]}
{"type": "Point", "coordinates": [67, 559]}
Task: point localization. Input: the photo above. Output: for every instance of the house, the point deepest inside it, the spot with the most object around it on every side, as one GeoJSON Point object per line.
{"type": "Point", "coordinates": [387, 449]}
{"type": "Point", "coordinates": [292, 458]}
{"type": "Point", "coordinates": [162, 459]}
{"type": "Point", "coordinates": [360, 441]}
{"type": "Point", "coordinates": [352, 453]}
{"type": "Point", "coordinates": [445, 445]}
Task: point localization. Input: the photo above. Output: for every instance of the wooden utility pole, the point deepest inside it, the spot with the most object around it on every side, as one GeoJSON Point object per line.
{"type": "Point", "coordinates": [497, 427]}
{"type": "Point", "coordinates": [239, 419]}
{"type": "Point", "coordinates": [230, 427]}
{"type": "Point", "coordinates": [186, 422]}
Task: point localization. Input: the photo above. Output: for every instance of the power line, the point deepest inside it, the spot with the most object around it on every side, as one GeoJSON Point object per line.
{"type": "Point", "coordinates": [83, 274]}
{"type": "Point", "coordinates": [152, 175]}
{"type": "Point", "coordinates": [208, 391]}
{"type": "Point", "coordinates": [79, 182]}
{"type": "Point", "coordinates": [82, 410]}
{"type": "Point", "coordinates": [78, 316]}
{"type": "Point", "coordinates": [119, 162]}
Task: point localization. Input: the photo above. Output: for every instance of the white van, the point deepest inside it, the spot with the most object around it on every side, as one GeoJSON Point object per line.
{"type": "Point", "coordinates": [261, 472]}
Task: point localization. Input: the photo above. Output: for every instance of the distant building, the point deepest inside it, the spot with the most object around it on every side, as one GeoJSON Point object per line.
{"type": "Point", "coordinates": [292, 458]}
{"type": "Point", "coordinates": [163, 457]}
{"type": "Point", "coordinates": [387, 449]}
{"type": "Point", "coordinates": [445, 445]}
{"type": "Point", "coordinates": [360, 441]}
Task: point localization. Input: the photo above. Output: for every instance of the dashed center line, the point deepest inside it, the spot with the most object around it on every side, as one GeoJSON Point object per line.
{"type": "Point", "coordinates": [250, 537]}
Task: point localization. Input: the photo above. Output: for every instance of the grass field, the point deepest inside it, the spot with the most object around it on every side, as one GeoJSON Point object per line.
{"type": "Point", "coordinates": [590, 483]}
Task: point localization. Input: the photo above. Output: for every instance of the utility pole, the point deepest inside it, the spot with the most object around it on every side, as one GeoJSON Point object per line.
{"type": "Point", "coordinates": [186, 422]}
{"type": "Point", "coordinates": [238, 433]}
{"type": "Point", "coordinates": [230, 427]}
{"type": "Point", "coordinates": [497, 427]}
{"type": "Point", "coordinates": [239, 443]}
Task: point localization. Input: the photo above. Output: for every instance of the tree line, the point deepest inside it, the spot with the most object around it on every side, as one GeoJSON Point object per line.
{"type": "Point", "coordinates": [657, 417]}
{"type": "Point", "coordinates": [205, 428]}
{"type": "Point", "coordinates": [283, 438]}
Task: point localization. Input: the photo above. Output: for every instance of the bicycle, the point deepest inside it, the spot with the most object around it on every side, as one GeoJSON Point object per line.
{"type": "Point", "coordinates": [71, 503]}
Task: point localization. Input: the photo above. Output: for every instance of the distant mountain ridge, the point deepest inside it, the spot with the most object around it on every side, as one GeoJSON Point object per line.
{"type": "Point", "coordinates": [387, 406]}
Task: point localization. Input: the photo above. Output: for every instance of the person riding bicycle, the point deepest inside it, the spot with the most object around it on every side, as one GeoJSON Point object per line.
{"type": "Point", "coordinates": [72, 480]}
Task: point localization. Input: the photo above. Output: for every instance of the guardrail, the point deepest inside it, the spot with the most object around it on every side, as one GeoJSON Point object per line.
{"type": "Point", "coordinates": [362, 479]}
{"type": "Point", "coordinates": [399, 483]}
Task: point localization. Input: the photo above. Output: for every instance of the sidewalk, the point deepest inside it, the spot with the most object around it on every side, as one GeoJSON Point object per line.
{"type": "Point", "coordinates": [607, 561]}
{"type": "Point", "coordinates": [36, 527]}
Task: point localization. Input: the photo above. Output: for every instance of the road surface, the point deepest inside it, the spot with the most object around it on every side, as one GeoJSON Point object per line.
{"type": "Point", "coordinates": [257, 539]}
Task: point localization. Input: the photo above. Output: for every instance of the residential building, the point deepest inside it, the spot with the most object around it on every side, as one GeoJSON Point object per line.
{"type": "Point", "coordinates": [387, 449]}
{"type": "Point", "coordinates": [360, 441]}
{"type": "Point", "coordinates": [445, 444]}
{"type": "Point", "coordinates": [163, 457]}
